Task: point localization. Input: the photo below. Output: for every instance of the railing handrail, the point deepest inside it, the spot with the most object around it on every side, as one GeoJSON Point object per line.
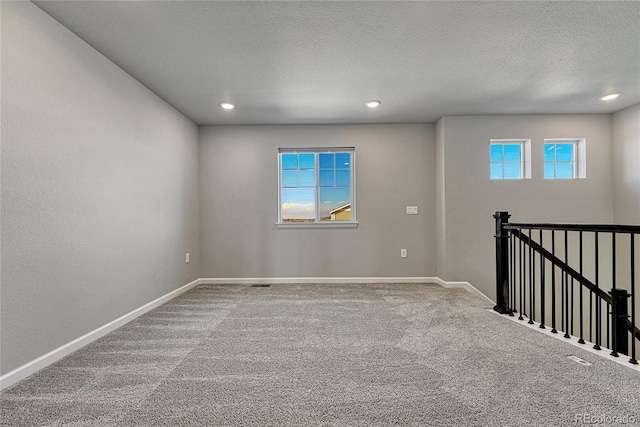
{"type": "Point", "coordinates": [605, 228]}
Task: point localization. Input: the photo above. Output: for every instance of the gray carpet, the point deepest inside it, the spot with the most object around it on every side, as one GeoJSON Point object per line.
{"type": "Point", "coordinates": [344, 355]}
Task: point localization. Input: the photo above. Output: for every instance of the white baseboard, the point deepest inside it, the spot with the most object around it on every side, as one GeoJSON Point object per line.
{"type": "Point", "coordinates": [267, 280]}
{"type": "Point", "coordinates": [41, 362]}
{"type": "Point", "coordinates": [464, 285]}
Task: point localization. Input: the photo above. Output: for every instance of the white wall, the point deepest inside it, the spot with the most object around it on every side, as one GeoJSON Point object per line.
{"type": "Point", "coordinates": [470, 198]}
{"type": "Point", "coordinates": [239, 198]}
{"type": "Point", "coordinates": [626, 165]}
{"type": "Point", "coordinates": [99, 189]}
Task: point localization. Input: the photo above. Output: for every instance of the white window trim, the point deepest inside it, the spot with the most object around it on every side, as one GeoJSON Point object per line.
{"type": "Point", "coordinates": [525, 160]}
{"type": "Point", "coordinates": [579, 156]}
{"type": "Point", "coordinates": [319, 224]}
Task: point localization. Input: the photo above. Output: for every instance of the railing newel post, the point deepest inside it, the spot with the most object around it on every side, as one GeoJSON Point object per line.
{"type": "Point", "coordinates": [502, 263]}
{"type": "Point", "coordinates": [620, 341]}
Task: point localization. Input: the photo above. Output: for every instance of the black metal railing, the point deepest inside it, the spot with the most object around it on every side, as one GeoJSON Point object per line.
{"type": "Point", "coordinates": [558, 273]}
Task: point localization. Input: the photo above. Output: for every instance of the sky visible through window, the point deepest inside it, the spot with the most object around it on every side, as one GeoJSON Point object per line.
{"type": "Point", "coordinates": [506, 161]}
{"type": "Point", "coordinates": [298, 175]}
{"type": "Point", "coordinates": [559, 161]}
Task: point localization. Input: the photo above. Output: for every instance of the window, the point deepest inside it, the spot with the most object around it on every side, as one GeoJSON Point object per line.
{"type": "Point", "coordinates": [316, 186]}
{"type": "Point", "coordinates": [564, 158]}
{"type": "Point", "coordinates": [508, 159]}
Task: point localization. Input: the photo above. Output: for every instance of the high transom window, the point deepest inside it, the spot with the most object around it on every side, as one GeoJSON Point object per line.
{"type": "Point", "coordinates": [564, 158]}
{"type": "Point", "coordinates": [508, 159]}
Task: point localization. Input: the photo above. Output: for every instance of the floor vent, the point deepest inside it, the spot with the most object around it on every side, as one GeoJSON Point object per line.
{"type": "Point", "coordinates": [580, 361]}
{"type": "Point", "coordinates": [260, 286]}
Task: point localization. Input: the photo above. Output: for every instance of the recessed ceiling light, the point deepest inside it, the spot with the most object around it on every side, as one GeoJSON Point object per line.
{"type": "Point", "coordinates": [373, 103]}
{"type": "Point", "coordinates": [227, 105]}
{"type": "Point", "coordinates": [610, 96]}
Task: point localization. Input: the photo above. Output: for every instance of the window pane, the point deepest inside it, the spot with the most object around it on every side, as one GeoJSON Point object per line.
{"type": "Point", "coordinates": [343, 160]}
{"type": "Point", "coordinates": [549, 152]}
{"type": "Point", "coordinates": [316, 186]}
{"type": "Point", "coordinates": [496, 152]}
{"type": "Point", "coordinates": [496, 170]}
{"type": "Point", "coordinates": [307, 178]}
{"type": "Point", "coordinates": [335, 204]}
{"type": "Point", "coordinates": [326, 178]}
{"type": "Point", "coordinates": [327, 160]}
{"type": "Point", "coordinates": [307, 160]}
{"type": "Point", "coordinates": [343, 178]}
{"type": "Point", "coordinates": [298, 205]}
{"type": "Point", "coordinates": [549, 172]}
{"type": "Point", "coordinates": [564, 170]}
{"type": "Point", "coordinates": [289, 161]}
{"type": "Point", "coordinates": [512, 171]}
{"type": "Point", "coordinates": [512, 152]}
{"type": "Point", "coordinates": [289, 178]}
{"type": "Point", "coordinates": [564, 152]}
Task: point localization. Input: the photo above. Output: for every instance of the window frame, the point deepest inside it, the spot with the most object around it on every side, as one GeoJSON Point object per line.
{"type": "Point", "coordinates": [525, 158]}
{"type": "Point", "coordinates": [579, 147]}
{"type": "Point", "coordinates": [352, 223]}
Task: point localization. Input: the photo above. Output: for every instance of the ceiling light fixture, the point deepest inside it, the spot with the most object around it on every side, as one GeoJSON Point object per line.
{"type": "Point", "coordinates": [227, 105]}
{"type": "Point", "coordinates": [610, 96]}
{"type": "Point", "coordinates": [373, 103]}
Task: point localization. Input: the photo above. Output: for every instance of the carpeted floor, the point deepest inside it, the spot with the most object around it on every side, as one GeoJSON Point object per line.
{"type": "Point", "coordinates": [344, 355]}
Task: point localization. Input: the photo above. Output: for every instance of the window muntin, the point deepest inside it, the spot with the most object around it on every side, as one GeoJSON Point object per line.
{"type": "Point", "coordinates": [316, 186]}
{"type": "Point", "coordinates": [507, 160]}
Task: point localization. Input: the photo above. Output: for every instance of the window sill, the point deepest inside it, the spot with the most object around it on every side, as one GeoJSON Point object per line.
{"type": "Point", "coordinates": [317, 225]}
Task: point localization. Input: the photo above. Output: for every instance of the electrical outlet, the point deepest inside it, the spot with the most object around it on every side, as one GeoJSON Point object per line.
{"type": "Point", "coordinates": [403, 253]}
{"type": "Point", "coordinates": [186, 258]}
{"type": "Point", "coordinates": [412, 210]}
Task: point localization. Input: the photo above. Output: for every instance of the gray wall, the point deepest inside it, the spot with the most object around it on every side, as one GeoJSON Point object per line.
{"type": "Point", "coordinates": [626, 161]}
{"type": "Point", "coordinates": [470, 198]}
{"type": "Point", "coordinates": [239, 197]}
{"type": "Point", "coordinates": [99, 189]}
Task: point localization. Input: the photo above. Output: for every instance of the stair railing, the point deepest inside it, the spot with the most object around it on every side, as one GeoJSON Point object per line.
{"type": "Point", "coordinates": [541, 273]}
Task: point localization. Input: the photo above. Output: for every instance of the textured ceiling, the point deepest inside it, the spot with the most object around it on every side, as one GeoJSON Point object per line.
{"type": "Point", "coordinates": [318, 62]}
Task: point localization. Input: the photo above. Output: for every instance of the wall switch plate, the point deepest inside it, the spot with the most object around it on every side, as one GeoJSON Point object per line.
{"type": "Point", "coordinates": [412, 210]}
{"type": "Point", "coordinates": [403, 253]}
{"type": "Point", "coordinates": [186, 257]}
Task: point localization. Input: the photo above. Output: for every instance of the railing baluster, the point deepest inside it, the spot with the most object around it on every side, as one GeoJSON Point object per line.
{"type": "Point", "coordinates": [531, 280]}
{"type": "Point", "coordinates": [542, 286]}
{"type": "Point", "coordinates": [598, 302]}
{"type": "Point", "coordinates": [562, 302]}
{"type": "Point", "coordinates": [566, 285]}
{"type": "Point", "coordinates": [633, 297]}
{"type": "Point", "coordinates": [553, 284]}
{"type": "Point", "coordinates": [608, 326]}
{"type": "Point", "coordinates": [581, 340]}
{"type": "Point", "coordinates": [614, 328]}
{"type": "Point", "coordinates": [572, 304]}
{"type": "Point", "coordinates": [613, 260]}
